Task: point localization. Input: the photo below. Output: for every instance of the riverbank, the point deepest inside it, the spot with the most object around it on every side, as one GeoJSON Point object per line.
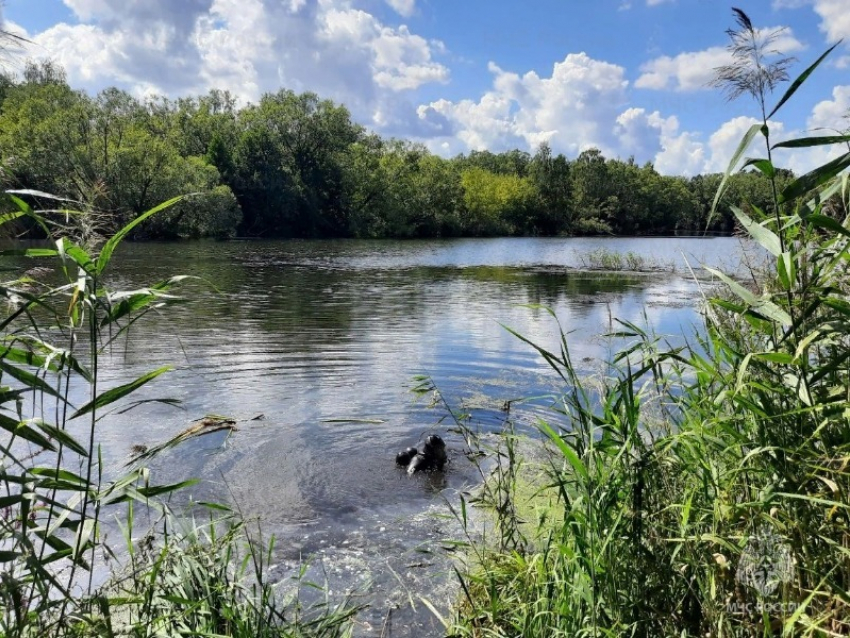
{"type": "Point", "coordinates": [697, 489]}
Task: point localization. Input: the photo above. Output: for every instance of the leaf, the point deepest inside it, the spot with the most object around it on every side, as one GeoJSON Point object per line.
{"type": "Point", "coordinates": [820, 140]}
{"type": "Point", "coordinates": [763, 306]}
{"type": "Point", "coordinates": [765, 237]}
{"type": "Point", "coordinates": [434, 611]}
{"type": "Point", "coordinates": [110, 396]}
{"type": "Point", "coordinates": [796, 84]}
{"type": "Point", "coordinates": [142, 494]}
{"type": "Point", "coordinates": [34, 193]}
{"type": "Point", "coordinates": [29, 252]}
{"type": "Point", "coordinates": [127, 303]}
{"type": "Point", "coordinates": [569, 453]}
{"type": "Point", "coordinates": [80, 256]}
{"type": "Point", "coordinates": [815, 178]}
{"type": "Point", "coordinates": [25, 208]}
{"type": "Point", "coordinates": [214, 506]}
{"type": "Point", "coordinates": [30, 380]}
{"type": "Point", "coordinates": [742, 148]}
{"type": "Point", "coordinates": [63, 437]}
{"type": "Point", "coordinates": [25, 432]}
{"type": "Point", "coordinates": [787, 268]}
{"type": "Point", "coordinates": [109, 247]}
{"type": "Point", "coordinates": [8, 557]}
{"type": "Point", "coordinates": [7, 217]}
{"type": "Point", "coordinates": [775, 357]}
{"type": "Point", "coordinates": [8, 501]}
{"type": "Point", "coordinates": [763, 165]}
{"type": "Point", "coordinates": [823, 221]}
{"type": "Point", "coordinates": [53, 361]}
{"type": "Point", "coordinates": [61, 475]}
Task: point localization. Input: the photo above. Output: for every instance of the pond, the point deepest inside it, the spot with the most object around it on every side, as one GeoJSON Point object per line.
{"type": "Point", "coordinates": [324, 339]}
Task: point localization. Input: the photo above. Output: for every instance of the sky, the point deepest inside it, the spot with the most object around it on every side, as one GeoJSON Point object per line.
{"type": "Point", "coordinates": [626, 76]}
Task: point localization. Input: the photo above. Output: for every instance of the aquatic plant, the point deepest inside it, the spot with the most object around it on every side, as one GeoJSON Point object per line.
{"type": "Point", "coordinates": [54, 495]}
{"type": "Point", "coordinates": [605, 259]}
{"type": "Point", "coordinates": [705, 489]}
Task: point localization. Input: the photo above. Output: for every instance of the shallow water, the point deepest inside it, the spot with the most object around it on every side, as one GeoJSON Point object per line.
{"type": "Point", "coordinates": [324, 339]}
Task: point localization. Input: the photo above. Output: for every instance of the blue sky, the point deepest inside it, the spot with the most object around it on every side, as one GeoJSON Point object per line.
{"type": "Point", "coordinates": [626, 76]}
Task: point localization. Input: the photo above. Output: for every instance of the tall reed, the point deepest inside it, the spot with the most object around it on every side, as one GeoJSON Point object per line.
{"type": "Point", "coordinates": [54, 497]}
{"type": "Point", "coordinates": [703, 490]}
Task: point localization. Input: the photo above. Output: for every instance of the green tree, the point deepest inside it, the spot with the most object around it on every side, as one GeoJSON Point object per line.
{"type": "Point", "coordinates": [551, 177]}
{"type": "Point", "coordinates": [290, 165]}
{"type": "Point", "coordinates": [589, 185]}
{"type": "Point", "coordinates": [495, 203]}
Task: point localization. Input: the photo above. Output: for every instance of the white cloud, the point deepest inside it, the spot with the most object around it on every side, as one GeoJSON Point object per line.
{"type": "Point", "coordinates": [88, 9]}
{"type": "Point", "coordinates": [651, 135]}
{"type": "Point", "coordinates": [685, 72]}
{"type": "Point", "coordinates": [681, 154]}
{"type": "Point", "coordinates": [583, 104]}
{"type": "Point", "coordinates": [832, 114]}
{"type": "Point", "coordinates": [639, 131]}
{"type": "Point", "coordinates": [248, 47]}
{"type": "Point", "coordinates": [403, 7]}
{"type": "Point", "coordinates": [573, 109]}
{"type": "Point", "coordinates": [789, 4]}
{"type": "Point", "coordinates": [685, 153]}
{"type": "Point", "coordinates": [723, 143]}
{"type": "Point", "coordinates": [843, 62]}
{"type": "Point", "coordinates": [835, 18]}
{"type": "Point", "coordinates": [693, 70]}
{"type": "Point", "coordinates": [655, 3]}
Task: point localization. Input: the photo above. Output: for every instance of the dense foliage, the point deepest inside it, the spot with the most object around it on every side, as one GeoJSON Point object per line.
{"type": "Point", "coordinates": [297, 166]}
{"type": "Point", "coordinates": [173, 577]}
{"type": "Point", "coordinates": [700, 490]}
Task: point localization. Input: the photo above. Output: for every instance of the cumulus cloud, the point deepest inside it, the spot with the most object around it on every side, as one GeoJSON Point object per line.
{"type": "Point", "coordinates": [827, 117]}
{"type": "Point", "coordinates": [835, 18]}
{"type": "Point", "coordinates": [832, 114]}
{"type": "Point", "coordinates": [693, 70]}
{"type": "Point", "coordinates": [688, 71]}
{"type": "Point", "coordinates": [685, 153]}
{"type": "Point", "coordinates": [403, 7]}
{"type": "Point", "coordinates": [639, 132]}
{"type": "Point", "coordinates": [573, 109]}
{"type": "Point", "coordinates": [248, 47]}
{"type": "Point", "coordinates": [583, 104]}
{"type": "Point", "coordinates": [651, 135]}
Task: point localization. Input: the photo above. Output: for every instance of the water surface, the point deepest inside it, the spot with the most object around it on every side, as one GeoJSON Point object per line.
{"type": "Point", "coordinates": [309, 334]}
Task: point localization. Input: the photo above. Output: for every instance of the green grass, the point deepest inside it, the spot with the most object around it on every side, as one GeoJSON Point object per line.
{"type": "Point", "coordinates": [605, 259]}
{"type": "Point", "coordinates": [198, 580]}
{"type": "Point", "coordinates": [702, 490]}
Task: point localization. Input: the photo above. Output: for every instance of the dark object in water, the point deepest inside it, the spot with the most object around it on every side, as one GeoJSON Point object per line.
{"type": "Point", "coordinates": [404, 458]}
{"type": "Point", "coordinates": [432, 456]}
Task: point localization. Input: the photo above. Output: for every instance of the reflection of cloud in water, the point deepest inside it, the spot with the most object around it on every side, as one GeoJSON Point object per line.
{"type": "Point", "coordinates": [303, 344]}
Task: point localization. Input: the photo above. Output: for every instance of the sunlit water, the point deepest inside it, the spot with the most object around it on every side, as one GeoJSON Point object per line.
{"type": "Point", "coordinates": [310, 334]}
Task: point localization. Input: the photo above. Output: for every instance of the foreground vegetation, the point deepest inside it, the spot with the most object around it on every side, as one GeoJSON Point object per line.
{"type": "Point", "coordinates": [701, 490]}
{"type": "Point", "coordinates": [176, 577]}
{"type": "Point", "coordinates": [297, 166]}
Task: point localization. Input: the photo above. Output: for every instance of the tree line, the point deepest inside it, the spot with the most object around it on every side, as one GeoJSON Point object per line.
{"type": "Point", "coordinates": [295, 165]}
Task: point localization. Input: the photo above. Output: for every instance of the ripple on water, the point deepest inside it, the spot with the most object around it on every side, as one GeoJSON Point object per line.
{"type": "Point", "coordinates": [312, 333]}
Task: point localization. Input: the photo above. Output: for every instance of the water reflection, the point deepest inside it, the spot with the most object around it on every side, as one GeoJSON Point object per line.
{"type": "Point", "coordinates": [307, 333]}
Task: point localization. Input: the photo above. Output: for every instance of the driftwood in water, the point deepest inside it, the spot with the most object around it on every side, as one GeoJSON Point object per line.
{"type": "Point", "coordinates": [200, 427]}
